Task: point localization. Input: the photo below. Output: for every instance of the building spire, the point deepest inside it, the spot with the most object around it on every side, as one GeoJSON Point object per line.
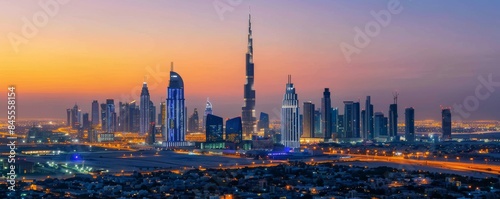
{"type": "Point", "coordinates": [172, 66]}
{"type": "Point", "coordinates": [250, 40]}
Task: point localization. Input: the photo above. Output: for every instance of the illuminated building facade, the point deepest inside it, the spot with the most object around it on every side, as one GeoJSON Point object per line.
{"type": "Point", "coordinates": [214, 128]}
{"type": "Point", "coordinates": [248, 110]}
{"type": "Point", "coordinates": [234, 130]}
{"type": "Point", "coordinates": [175, 129]}
{"type": "Point", "coordinates": [446, 123]}
{"type": "Point", "coordinates": [144, 110]}
{"type": "Point", "coordinates": [290, 122]}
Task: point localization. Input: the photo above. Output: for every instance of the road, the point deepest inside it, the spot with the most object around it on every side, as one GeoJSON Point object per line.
{"type": "Point", "coordinates": [457, 166]}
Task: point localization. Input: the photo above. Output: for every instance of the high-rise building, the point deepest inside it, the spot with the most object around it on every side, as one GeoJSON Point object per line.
{"type": "Point", "coordinates": [368, 128]}
{"type": "Point", "coordinates": [152, 112]}
{"type": "Point", "coordinates": [75, 120]}
{"type": "Point", "coordinates": [290, 122]}
{"type": "Point", "coordinates": [356, 133]}
{"type": "Point", "coordinates": [335, 115]}
{"type": "Point", "coordinates": [85, 121]}
{"type": "Point", "coordinates": [393, 120]}
{"type": "Point", "coordinates": [151, 134]}
{"type": "Point", "coordinates": [144, 110]}
{"type": "Point", "coordinates": [95, 113]}
{"type": "Point", "coordinates": [133, 117]}
{"type": "Point", "coordinates": [410, 124]}
{"type": "Point", "coordinates": [393, 117]}
{"type": "Point", "coordinates": [234, 130]}
{"type": "Point", "coordinates": [326, 115]}
{"type": "Point", "coordinates": [214, 128]}
{"type": "Point", "coordinates": [175, 124]}
{"type": "Point", "coordinates": [340, 126]}
{"type": "Point", "coordinates": [263, 122]}
{"type": "Point", "coordinates": [380, 125]}
{"type": "Point", "coordinates": [110, 116]}
{"type": "Point", "coordinates": [248, 110]}
{"type": "Point", "coordinates": [363, 124]}
{"type": "Point", "coordinates": [68, 117]}
{"type": "Point", "coordinates": [208, 110]}
{"type": "Point", "coordinates": [193, 122]}
{"type": "Point", "coordinates": [122, 117]}
{"type": "Point", "coordinates": [308, 123]}
{"type": "Point", "coordinates": [162, 115]}
{"type": "Point", "coordinates": [348, 120]}
{"type": "Point", "coordinates": [318, 133]}
{"type": "Point", "coordinates": [446, 123]}
{"type": "Point", "coordinates": [104, 107]}
{"type": "Point", "coordinates": [92, 135]}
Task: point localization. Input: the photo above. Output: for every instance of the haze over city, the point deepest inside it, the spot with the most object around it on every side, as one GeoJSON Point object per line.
{"type": "Point", "coordinates": [432, 54]}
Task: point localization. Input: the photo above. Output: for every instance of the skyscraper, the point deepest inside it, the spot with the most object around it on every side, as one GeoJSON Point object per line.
{"type": "Point", "coordinates": [363, 124]}
{"type": "Point", "coordinates": [393, 117]}
{"type": "Point", "coordinates": [144, 108]}
{"type": "Point", "coordinates": [193, 121]}
{"type": "Point", "coordinates": [393, 120]}
{"type": "Point", "coordinates": [318, 133]}
{"type": "Point", "coordinates": [348, 120]}
{"type": "Point", "coordinates": [380, 125]}
{"type": "Point", "coordinates": [214, 128]}
{"type": "Point", "coordinates": [410, 124]}
{"type": "Point", "coordinates": [356, 133]}
{"type": "Point", "coordinates": [95, 113]}
{"type": "Point", "coordinates": [85, 121]}
{"type": "Point", "coordinates": [110, 116]}
{"type": "Point", "coordinates": [133, 117]}
{"type": "Point", "coordinates": [104, 108]}
{"type": "Point", "coordinates": [326, 114]}
{"type": "Point", "coordinates": [248, 110]}
{"type": "Point", "coordinates": [446, 123]}
{"type": "Point", "coordinates": [75, 121]}
{"type": "Point", "coordinates": [151, 138]}
{"type": "Point", "coordinates": [340, 126]}
{"type": "Point", "coordinates": [263, 121]}
{"type": "Point", "coordinates": [368, 128]}
{"type": "Point", "coordinates": [175, 124]}
{"type": "Point", "coordinates": [308, 122]}
{"type": "Point", "coordinates": [152, 112]}
{"type": "Point", "coordinates": [335, 115]}
{"type": "Point", "coordinates": [123, 118]}
{"type": "Point", "coordinates": [162, 114]}
{"type": "Point", "coordinates": [233, 130]}
{"type": "Point", "coordinates": [208, 110]}
{"type": "Point", "coordinates": [290, 122]}
{"type": "Point", "coordinates": [68, 117]}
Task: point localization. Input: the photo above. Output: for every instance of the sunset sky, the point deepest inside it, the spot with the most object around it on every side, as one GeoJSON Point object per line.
{"type": "Point", "coordinates": [432, 53]}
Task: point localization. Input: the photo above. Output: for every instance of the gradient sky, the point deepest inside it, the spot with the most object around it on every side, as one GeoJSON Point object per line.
{"type": "Point", "coordinates": [432, 53]}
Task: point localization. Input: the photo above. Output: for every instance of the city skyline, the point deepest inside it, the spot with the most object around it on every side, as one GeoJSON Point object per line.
{"type": "Point", "coordinates": [62, 85]}
{"type": "Point", "coordinates": [188, 99]}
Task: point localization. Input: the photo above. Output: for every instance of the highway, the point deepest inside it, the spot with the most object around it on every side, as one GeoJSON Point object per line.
{"type": "Point", "coordinates": [457, 166]}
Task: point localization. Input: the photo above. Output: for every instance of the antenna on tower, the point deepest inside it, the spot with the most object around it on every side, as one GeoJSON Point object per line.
{"type": "Point", "coordinates": [171, 66]}
{"type": "Point", "coordinates": [395, 95]}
